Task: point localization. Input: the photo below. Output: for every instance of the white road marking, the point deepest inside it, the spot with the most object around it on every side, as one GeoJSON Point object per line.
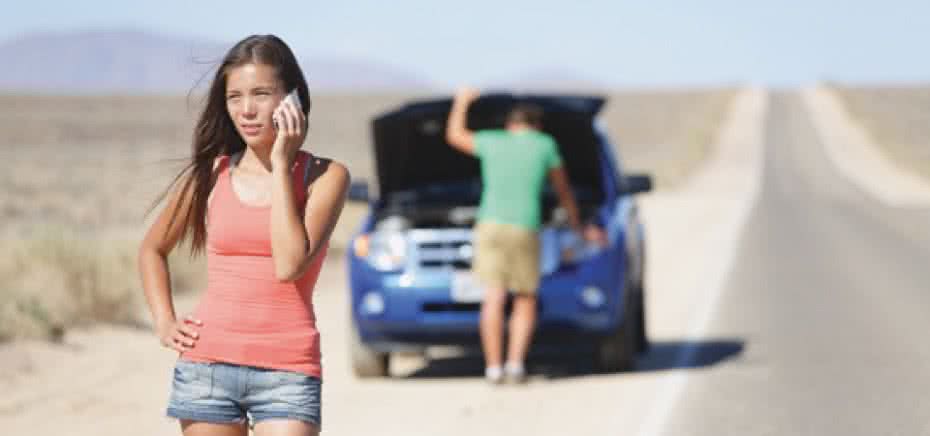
{"type": "Point", "coordinates": [746, 139]}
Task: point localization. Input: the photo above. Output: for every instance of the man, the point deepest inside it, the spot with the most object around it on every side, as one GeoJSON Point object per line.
{"type": "Point", "coordinates": [515, 162]}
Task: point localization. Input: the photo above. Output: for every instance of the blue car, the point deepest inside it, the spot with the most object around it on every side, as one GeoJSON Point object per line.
{"type": "Point", "coordinates": [409, 261]}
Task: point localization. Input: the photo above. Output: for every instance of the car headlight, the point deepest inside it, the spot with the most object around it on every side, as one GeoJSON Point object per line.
{"type": "Point", "coordinates": [561, 246]}
{"type": "Point", "coordinates": [573, 249]}
{"type": "Point", "coordinates": [385, 251]}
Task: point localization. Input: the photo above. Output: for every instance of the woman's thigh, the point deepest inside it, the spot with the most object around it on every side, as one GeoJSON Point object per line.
{"type": "Point", "coordinates": [200, 428]}
{"type": "Point", "coordinates": [285, 427]}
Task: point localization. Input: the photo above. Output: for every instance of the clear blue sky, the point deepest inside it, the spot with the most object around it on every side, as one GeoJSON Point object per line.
{"type": "Point", "coordinates": [621, 43]}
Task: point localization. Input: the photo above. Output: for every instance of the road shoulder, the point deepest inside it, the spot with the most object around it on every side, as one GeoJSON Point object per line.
{"type": "Point", "coordinates": [852, 150]}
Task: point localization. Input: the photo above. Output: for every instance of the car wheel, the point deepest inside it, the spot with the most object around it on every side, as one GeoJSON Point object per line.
{"type": "Point", "coordinates": [642, 344]}
{"type": "Point", "coordinates": [366, 362]}
{"type": "Point", "coordinates": [617, 351]}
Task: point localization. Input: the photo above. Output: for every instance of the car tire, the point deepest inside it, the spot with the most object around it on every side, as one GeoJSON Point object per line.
{"type": "Point", "coordinates": [366, 362]}
{"type": "Point", "coordinates": [642, 342]}
{"type": "Point", "coordinates": [617, 351]}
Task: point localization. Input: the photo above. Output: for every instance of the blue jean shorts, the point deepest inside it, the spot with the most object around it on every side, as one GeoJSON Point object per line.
{"type": "Point", "coordinates": [226, 393]}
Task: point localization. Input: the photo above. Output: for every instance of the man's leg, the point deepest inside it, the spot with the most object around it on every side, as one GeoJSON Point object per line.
{"type": "Point", "coordinates": [522, 323]}
{"type": "Point", "coordinates": [492, 325]}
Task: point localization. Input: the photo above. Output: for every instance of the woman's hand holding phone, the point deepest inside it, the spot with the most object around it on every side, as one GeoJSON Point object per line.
{"type": "Point", "coordinates": [290, 124]}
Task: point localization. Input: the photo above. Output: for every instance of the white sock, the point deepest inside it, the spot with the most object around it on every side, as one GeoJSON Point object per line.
{"type": "Point", "coordinates": [493, 372]}
{"type": "Point", "coordinates": [514, 368]}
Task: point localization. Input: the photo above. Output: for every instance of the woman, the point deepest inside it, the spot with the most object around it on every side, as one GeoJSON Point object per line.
{"type": "Point", "coordinates": [251, 350]}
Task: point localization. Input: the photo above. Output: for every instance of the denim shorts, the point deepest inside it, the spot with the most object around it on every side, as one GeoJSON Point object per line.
{"type": "Point", "coordinates": [226, 393]}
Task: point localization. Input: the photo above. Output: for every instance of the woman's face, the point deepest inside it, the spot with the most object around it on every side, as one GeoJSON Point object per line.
{"type": "Point", "coordinates": [253, 91]}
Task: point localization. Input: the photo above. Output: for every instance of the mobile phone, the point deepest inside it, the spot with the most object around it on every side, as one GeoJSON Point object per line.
{"type": "Point", "coordinates": [293, 97]}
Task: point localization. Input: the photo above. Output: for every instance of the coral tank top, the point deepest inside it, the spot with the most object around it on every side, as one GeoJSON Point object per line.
{"type": "Point", "coordinates": [249, 317]}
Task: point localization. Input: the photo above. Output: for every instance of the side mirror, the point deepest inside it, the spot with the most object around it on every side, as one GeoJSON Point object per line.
{"type": "Point", "coordinates": [358, 191]}
{"type": "Point", "coordinates": [636, 183]}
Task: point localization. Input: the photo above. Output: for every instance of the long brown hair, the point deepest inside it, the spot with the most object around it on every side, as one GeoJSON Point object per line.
{"type": "Point", "coordinates": [215, 133]}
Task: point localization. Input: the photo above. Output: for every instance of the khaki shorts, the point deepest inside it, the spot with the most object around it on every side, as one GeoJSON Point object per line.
{"type": "Point", "coordinates": [506, 256]}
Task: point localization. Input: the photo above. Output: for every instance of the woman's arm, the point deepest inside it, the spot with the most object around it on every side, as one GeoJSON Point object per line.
{"type": "Point", "coordinates": [294, 245]}
{"type": "Point", "coordinates": [159, 241]}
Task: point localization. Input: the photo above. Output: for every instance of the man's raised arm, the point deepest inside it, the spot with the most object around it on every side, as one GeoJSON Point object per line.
{"type": "Point", "coordinates": [457, 134]}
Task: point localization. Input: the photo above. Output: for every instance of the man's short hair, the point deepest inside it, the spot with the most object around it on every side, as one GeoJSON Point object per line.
{"type": "Point", "coordinates": [526, 113]}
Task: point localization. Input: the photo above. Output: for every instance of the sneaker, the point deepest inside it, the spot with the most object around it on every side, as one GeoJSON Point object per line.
{"type": "Point", "coordinates": [494, 374]}
{"type": "Point", "coordinates": [515, 373]}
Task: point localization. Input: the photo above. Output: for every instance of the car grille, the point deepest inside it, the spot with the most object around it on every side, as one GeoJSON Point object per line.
{"type": "Point", "coordinates": [443, 248]}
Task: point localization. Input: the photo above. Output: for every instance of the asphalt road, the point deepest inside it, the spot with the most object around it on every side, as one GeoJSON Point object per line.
{"type": "Point", "coordinates": [829, 296]}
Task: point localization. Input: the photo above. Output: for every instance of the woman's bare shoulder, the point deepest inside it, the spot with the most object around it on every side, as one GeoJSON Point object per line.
{"type": "Point", "coordinates": [337, 168]}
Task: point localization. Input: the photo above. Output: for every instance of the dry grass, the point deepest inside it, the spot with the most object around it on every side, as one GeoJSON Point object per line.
{"type": "Point", "coordinates": [59, 279]}
{"type": "Point", "coordinates": [898, 118]}
{"type": "Point", "coordinates": [77, 174]}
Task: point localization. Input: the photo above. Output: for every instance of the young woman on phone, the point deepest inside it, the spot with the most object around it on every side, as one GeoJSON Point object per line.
{"type": "Point", "coordinates": [263, 210]}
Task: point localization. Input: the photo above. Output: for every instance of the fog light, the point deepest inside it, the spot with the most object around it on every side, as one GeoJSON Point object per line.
{"type": "Point", "coordinates": [372, 303]}
{"type": "Point", "coordinates": [593, 297]}
{"type": "Point", "coordinates": [360, 246]}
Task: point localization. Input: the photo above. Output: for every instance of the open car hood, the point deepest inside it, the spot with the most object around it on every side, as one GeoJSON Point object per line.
{"type": "Point", "coordinates": [412, 156]}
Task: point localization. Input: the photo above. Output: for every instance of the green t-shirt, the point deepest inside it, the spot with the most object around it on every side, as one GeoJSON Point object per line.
{"type": "Point", "coordinates": [513, 170]}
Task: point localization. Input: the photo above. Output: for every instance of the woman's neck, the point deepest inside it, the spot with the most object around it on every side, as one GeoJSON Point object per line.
{"type": "Point", "coordinates": [257, 158]}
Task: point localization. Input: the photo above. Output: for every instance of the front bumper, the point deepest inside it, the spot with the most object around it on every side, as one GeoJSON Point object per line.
{"type": "Point", "coordinates": [418, 308]}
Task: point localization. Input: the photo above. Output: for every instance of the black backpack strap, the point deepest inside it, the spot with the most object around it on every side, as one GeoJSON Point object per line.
{"type": "Point", "coordinates": [236, 157]}
{"type": "Point", "coordinates": [315, 167]}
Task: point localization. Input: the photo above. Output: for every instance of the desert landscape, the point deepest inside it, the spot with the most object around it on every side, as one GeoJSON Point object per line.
{"type": "Point", "coordinates": [79, 173]}
{"type": "Point", "coordinates": [73, 317]}
{"type": "Point", "coordinates": [785, 236]}
{"type": "Point", "coordinates": [898, 118]}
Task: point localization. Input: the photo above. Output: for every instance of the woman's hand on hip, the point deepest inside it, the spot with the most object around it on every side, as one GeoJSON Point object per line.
{"type": "Point", "coordinates": [180, 335]}
{"type": "Point", "coordinates": [291, 132]}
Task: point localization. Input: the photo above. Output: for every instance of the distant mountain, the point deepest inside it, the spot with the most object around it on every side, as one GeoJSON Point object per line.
{"type": "Point", "coordinates": [131, 61]}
